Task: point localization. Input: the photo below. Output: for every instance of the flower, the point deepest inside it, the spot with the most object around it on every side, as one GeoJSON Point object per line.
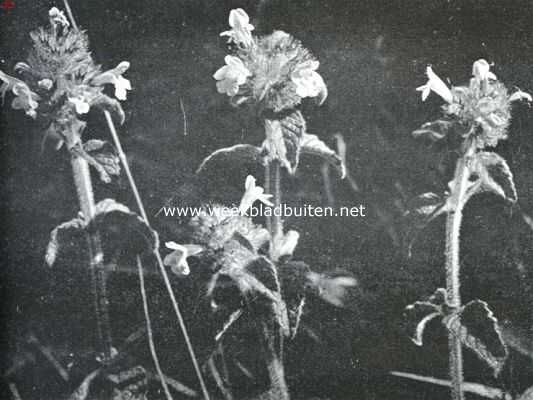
{"type": "Point", "coordinates": [231, 76]}
{"type": "Point", "coordinates": [241, 28]}
{"type": "Point", "coordinates": [114, 76]}
{"type": "Point", "coordinates": [331, 289]}
{"type": "Point", "coordinates": [177, 260]}
{"type": "Point", "coordinates": [435, 84]}
{"type": "Point", "coordinates": [481, 70]}
{"type": "Point", "coordinates": [25, 99]}
{"type": "Point", "coordinates": [284, 245]}
{"type": "Point", "coordinates": [252, 194]}
{"type": "Point", "coordinates": [45, 84]}
{"type": "Point", "coordinates": [58, 17]}
{"type": "Point", "coordinates": [81, 105]}
{"type": "Point", "coordinates": [308, 82]}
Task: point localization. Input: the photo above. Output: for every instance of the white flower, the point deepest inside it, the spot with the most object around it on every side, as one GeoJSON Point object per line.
{"type": "Point", "coordinates": [231, 75]}
{"type": "Point", "coordinates": [284, 244]}
{"type": "Point", "coordinates": [332, 289]}
{"type": "Point", "coordinates": [25, 99]}
{"type": "Point", "coordinates": [241, 27]}
{"type": "Point", "coordinates": [519, 95]}
{"type": "Point", "coordinates": [436, 85]}
{"type": "Point", "coordinates": [177, 260]}
{"type": "Point", "coordinates": [481, 70]}
{"type": "Point", "coordinates": [114, 76]}
{"type": "Point", "coordinates": [253, 193]}
{"type": "Point", "coordinates": [45, 84]}
{"type": "Point", "coordinates": [58, 17]}
{"type": "Point", "coordinates": [81, 105]}
{"type": "Point", "coordinates": [308, 82]}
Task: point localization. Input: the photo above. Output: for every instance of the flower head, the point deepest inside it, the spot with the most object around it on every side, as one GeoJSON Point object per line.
{"type": "Point", "coordinates": [252, 194]}
{"type": "Point", "coordinates": [114, 76]}
{"type": "Point", "coordinates": [81, 105]}
{"type": "Point", "coordinates": [231, 76]}
{"type": "Point", "coordinates": [177, 260]}
{"type": "Point", "coordinates": [241, 32]}
{"type": "Point", "coordinates": [436, 85]}
{"type": "Point", "coordinates": [331, 289]}
{"type": "Point", "coordinates": [308, 82]}
{"type": "Point", "coordinates": [25, 99]}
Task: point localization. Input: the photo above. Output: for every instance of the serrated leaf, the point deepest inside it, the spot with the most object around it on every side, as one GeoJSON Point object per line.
{"type": "Point", "coordinates": [103, 153]}
{"type": "Point", "coordinates": [478, 330]}
{"type": "Point", "coordinates": [495, 175]}
{"type": "Point", "coordinates": [420, 313]}
{"type": "Point", "coordinates": [311, 144]}
{"type": "Point", "coordinates": [61, 236]}
{"type": "Point", "coordinates": [434, 131]}
{"type": "Point", "coordinates": [244, 153]}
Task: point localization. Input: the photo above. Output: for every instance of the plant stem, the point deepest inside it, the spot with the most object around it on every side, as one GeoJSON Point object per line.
{"type": "Point", "coordinates": [84, 189]}
{"type": "Point", "coordinates": [453, 230]}
{"type": "Point", "coordinates": [149, 331]}
{"type": "Point", "coordinates": [157, 254]}
{"type": "Point", "coordinates": [275, 170]}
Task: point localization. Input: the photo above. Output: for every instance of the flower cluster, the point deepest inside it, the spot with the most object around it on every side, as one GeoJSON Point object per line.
{"type": "Point", "coordinates": [482, 108]}
{"type": "Point", "coordinates": [274, 71]}
{"type": "Point", "coordinates": [60, 80]}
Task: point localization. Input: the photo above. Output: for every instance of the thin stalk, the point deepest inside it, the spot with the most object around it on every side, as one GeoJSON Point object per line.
{"type": "Point", "coordinates": [140, 205]}
{"type": "Point", "coordinates": [275, 171]}
{"type": "Point", "coordinates": [84, 189]}
{"type": "Point", "coordinates": [149, 331]}
{"type": "Point", "coordinates": [166, 280]}
{"type": "Point", "coordinates": [453, 283]}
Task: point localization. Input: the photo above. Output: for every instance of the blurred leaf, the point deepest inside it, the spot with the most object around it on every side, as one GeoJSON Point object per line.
{"type": "Point", "coordinates": [82, 391]}
{"type": "Point", "coordinates": [420, 211]}
{"type": "Point", "coordinates": [527, 395]}
{"type": "Point", "coordinates": [311, 144]}
{"type": "Point", "coordinates": [434, 131]}
{"type": "Point", "coordinates": [478, 330]}
{"type": "Point", "coordinates": [243, 153]}
{"type": "Point", "coordinates": [494, 174]}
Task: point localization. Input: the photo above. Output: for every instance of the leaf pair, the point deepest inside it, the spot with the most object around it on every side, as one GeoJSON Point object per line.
{"type": "Point", "coordinates": [474, 324]}
{"type": "Point", "coordinates": [286, 140]}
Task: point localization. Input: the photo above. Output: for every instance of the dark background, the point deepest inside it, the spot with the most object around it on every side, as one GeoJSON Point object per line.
{"type": "Point", "coordinates": [373, 55]}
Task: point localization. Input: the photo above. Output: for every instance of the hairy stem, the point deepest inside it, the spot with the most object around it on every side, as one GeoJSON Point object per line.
{"type": "Point", "coordinates": [453, 230]}
{"type": "Point", "coordinates": [84, 189]}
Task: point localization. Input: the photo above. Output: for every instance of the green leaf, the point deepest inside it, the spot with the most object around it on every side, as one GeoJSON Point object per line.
{"type": "Point", "coordinates": [478, 330]}
{"type": "Point", "coordinates": [311, 144]}
{"type": "Point", "coordinates": [66, 234]}
{"type": "Point", "coordinates": [420, 313]}
{"type": "Point", "coordinates": [244, 153]}
{"type": "Point", "coordinates": [494, 174]}
{"type": "Point", "coordinates": [434, 131]}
